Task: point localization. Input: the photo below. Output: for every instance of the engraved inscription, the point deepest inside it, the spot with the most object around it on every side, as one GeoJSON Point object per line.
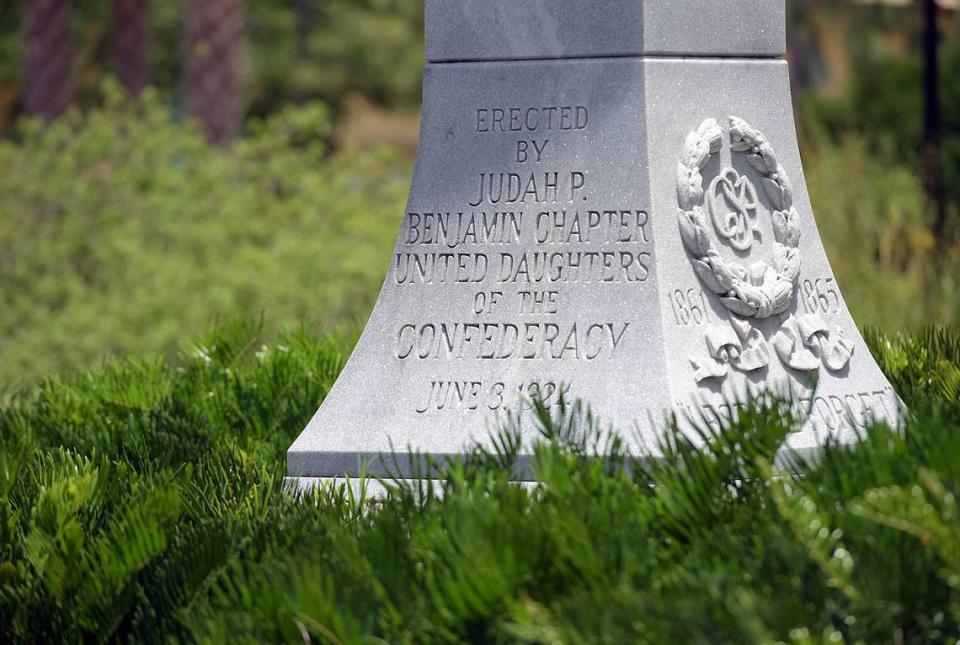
{"type": "Point", "coordinates": [827, 412]}
{"type": "Point", "coordinates": [851, 411]}
{"type": "Point", "coordinates": [532, 119]}
{"type": "Point", "coordinates": [462, 340]}
{"type": "Point", "coordinates": [451, 230]}
{"type": "Point", "coordinates": [522, 247]}
{"type": "Point", "coordinates": [820, 296]}
{"type": "Point", "coordinates": [532, 188]}
{"type": "Point", "coordinates": [690, 307]}
{"type": "Point", "coordinates": [476, 396]}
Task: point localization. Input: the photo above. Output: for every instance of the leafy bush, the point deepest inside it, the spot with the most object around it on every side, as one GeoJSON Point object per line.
{"type": "Point", "coordinates": [121, 229]}
{"type": "Point", "coordinates": [143, 502]}
{"type": "Point", "coordinates": [883, 109]}
{"type": "Point", "coordinates": [872, 218]}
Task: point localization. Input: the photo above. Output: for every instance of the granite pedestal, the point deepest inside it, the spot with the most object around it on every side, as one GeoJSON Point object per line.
{"type": "Point", "coordinates": [608, 204]}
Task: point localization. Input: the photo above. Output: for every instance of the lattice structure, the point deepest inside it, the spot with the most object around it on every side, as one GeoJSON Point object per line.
{"type": "Point", "coordinates": [48, 54]}
{"type": "Point", "coordinates": [214, 44]}
{"type": "Point", "coordinates": [131, 43]}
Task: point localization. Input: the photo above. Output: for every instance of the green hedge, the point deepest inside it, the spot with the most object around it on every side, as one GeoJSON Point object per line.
{"type": "Point", "coordinates": [143, 502]}
{"type": "Point", "coordinates": [122, 231]}
{"type": "Point", "coordinates": [873, 219]}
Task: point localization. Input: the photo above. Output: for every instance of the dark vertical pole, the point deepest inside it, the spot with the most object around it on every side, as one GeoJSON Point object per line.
{"type": "Point", "coordinates": [305, 22]}
{"type": "Point", "coordinates": [932, 120]}
{"type": "Point", "coordinates": [304, 27]}
{"type": "Point", "coordinates": [214, 41]}
{"type": "Point", "coordinates": [131, 44]}
{"type": "Point", "coordinates": [48, 57]}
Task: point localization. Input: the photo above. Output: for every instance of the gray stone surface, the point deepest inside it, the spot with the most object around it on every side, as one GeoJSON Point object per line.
{"type": "Point", "coordinates": [605, 267]}
{"type": "Point", "coordinates": [461, 30]}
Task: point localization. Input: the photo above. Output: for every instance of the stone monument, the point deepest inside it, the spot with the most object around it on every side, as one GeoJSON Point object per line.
{"type": "Point", "coordinates": [608, 204]}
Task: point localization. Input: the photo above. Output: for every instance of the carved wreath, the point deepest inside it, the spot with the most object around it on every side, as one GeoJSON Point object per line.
{"type": "Point", "coordinates": [763, 289]}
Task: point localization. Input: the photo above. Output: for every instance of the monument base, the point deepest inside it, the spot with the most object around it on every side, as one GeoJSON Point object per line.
{"type": "Point", "coordinates": [598, 230]}
{"type": "Point", "coordinates": [371, 488]}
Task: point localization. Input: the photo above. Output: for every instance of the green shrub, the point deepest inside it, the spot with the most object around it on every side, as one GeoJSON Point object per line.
{"type": "Point", "coordinates": [883, 111]}
{"type": "Point", "coordinates": [143, 502]}
{"type": "Point", "coordinates": [121, 231]}
{"type": "Point", "coordinates": [873, 221]}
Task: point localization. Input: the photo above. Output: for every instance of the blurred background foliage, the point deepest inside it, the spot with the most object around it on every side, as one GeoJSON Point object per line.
{"type": "Point", "coordinates": [113, 247]}
{"type": "Point", "coordinates": [123, 229]}
{"type": "Point", "coordinates": [295, 51]}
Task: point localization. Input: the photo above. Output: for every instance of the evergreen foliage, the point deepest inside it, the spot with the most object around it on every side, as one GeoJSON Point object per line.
{"type": "Point", "coordinates": [144, 502]}
{"type": "Point", "coordinates": [871, 215]}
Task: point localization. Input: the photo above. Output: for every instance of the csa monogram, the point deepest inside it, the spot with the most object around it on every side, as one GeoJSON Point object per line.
{"type": "Point", "coordinates": [732, 191]}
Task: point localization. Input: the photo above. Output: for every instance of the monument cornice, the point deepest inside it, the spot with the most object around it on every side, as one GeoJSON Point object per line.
{"type": "Point", "coordinates": [479, 30]}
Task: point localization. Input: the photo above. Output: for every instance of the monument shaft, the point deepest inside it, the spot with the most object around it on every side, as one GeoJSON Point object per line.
{"type": "Point", "coordinates": [591, 222]}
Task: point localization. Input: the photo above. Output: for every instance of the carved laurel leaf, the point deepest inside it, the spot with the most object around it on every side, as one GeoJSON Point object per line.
{"type": "Point", "coordinates": [688, 232]}
{"type": "Point", "coordinates": [780, 253]}
{"type": "Point", "coordinates": [770, 278]}
{"type": "Point", "coordinates": [708, 277]}
{"type": "Point", "coordinates": [696, 151]}
{"type": "Point", "coordinates": [791, 272]}
{"type": "Point", "coordinates": [781, 295]}
{"type": "Point", "coordinates": [711, 131]}
{"type": "Point", "coordinates": [785, 186]}
{"type": "Point", "coordinates": [738, 270]}
{"type": "Point", "coordinates": [722, 271]}
{"type": "Point", "coordinates": [693, 231]}
{"type": "Point", "coordinates": [793, 227]}
{"type": "Point", "coordinates": [781, 227]}
{"type": "Point", "coordinates": [741, 135]}
{"type": "Point", "coordinates": [750, 294]}
{"type": "Point", "coordinates": [787, 260]}
{"type": "Point", "coordinates": [739, 307]}
{"type": "Point", "coordinates": [699, 220]}
{"type": "Point", "coordinates": [774, 192]}
{"type": "Point", "coordinates": [689, 187]}
{"type": "Point", "coordinates": [768, 156]}
{"type": "Point", "coordinates": [757, 272]}
{"type": "Point", "coordinates": [757, 162]}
